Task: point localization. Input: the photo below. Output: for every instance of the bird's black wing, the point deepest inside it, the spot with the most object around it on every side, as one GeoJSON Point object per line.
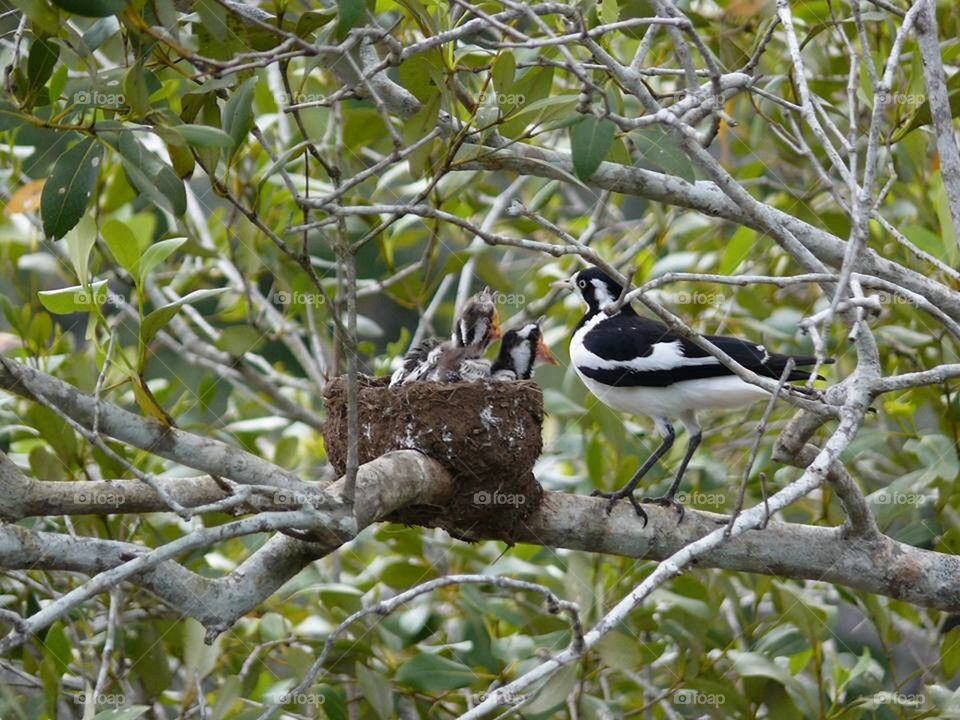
{"type": "Point", "coordinates": [755, 357]}
{"type": "Point", "coordinates": [625, 338]}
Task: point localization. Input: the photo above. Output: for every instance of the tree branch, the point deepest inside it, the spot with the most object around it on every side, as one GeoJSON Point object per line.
{"type": "Point", "coordinates": [940, 113]}
{"type": "Point", "coordinates": [870, 563]}
{"type": "Point", "coordinates": [195, 451]}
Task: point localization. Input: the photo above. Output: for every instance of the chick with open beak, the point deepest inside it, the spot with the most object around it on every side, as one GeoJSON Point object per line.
{"type": "Point", "coordinates": [460, 357]}
{"type": "Point", "coordinates": [478, 324]}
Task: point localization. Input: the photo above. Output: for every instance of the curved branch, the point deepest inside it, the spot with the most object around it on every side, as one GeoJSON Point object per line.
{"type": "Point", "coordinates": [384, 485]}
{"type": "Point", "coordinates": [707, 198]}
{"type": "Point", "coordinates": [871, 563]}
{"type": "Point", "coordinates": [195, 451]}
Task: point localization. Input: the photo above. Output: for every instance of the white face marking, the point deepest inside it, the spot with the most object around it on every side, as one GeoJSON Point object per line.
{"type": "Point", "coordinates": [602, 293]}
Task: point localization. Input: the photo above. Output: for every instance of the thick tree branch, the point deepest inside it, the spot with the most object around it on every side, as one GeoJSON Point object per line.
{"type": "Point", "coordinates": [219, 602]}
{"type": "Point", "coordinates": [870, 563]}
{"type": "Point", "coordinates": [195, 451]}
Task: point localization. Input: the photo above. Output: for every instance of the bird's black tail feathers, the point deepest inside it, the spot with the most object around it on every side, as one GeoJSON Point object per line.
{"type": "Point", "coordinates": [780, 362]}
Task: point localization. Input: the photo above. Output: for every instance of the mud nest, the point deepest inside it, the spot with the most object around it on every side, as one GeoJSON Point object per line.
{"type": "Point", "coordinates": [486, 434]}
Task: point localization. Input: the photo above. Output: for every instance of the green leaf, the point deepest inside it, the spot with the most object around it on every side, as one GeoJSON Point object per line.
{"type": "Point", "coordinates": [135, 91]}
{"type": "Point", "coordinates": [58, 82]}
{"type": "Point", "coordinates": [57, 647]}
{"type": "Point", "coordinates": [213, 20]}
{"type": "Point", "coordinates": [122, 244]}
{"type": "Point", "coordinates": [10, 116]}
{"type": "Point", "coordinates": [180, 157]}
{"type": "Point", "coordinates": [239, 339]}
{"type": "Point", "coordinates": [424, 75]}
{"type": "Point", "coordinates": [609, 11]}
{"type": "Point", "coordinates": [148, 173]}
{"type": "Point", "coordinates": [503, 71]}
{"type": "Point", "coordinates": [128, 713]}
{"type": "Point", "coordinates": [334, 702]}
{"type": "Point", "coordinates": [238, 114]}
{"type": "Point", "coordinates": [198, 657]}
{"type": "Point", "coordinates": [92, 8]}
{"type": "Point", "coordinates": [350, 12]}
{"type": "Point", "coordinates": [432, 673]}
{"type": "Point", "coordinates": [80, 242]}
{"type": "Point", "coordinates": [938, 194]}
{"type": "Point", "coordinates": [417, 127]}
{"type": "Point", "coordinates": [617, 651]}
{"type": "Point", "coordinates": [554, 691]}
{"type": "Point", "coordinates": [99, 32]}
{"type": "Point", "coordinates": [156, 254]}
{"type": "Point", "coordinates": [546, 108]}
{"type": "Point", "coordinates": [530, 87]}
{"type": "Point", "coordinates": [950, 652]}
{"type": "Point", "coordinates": [312, 20]}
{"type": "Point", "coordinates": [927, 241]}
{"type": "Point", "coordinates": [752, 664]}
{"type": "Point", "coordinates": [662, 151]}
{"type": "Point", "coordinates": [158, 319]}
{"type": "Point", "coordinates": [146, 643]}
{"type": "Point", "coordinates": [69, 188]}
{"type": "Point", "coordinates": [376, 691]}
{"type": "Point", "coordinates": [737, 250]}
{"type": "Point", "coordinates": [43, 16]}
{"type": "Point", "coordinates": [204, 136]}
{"type": "Point", "coordinates": [921, 115]}
{"type": "Point", "coordinates": [41, 329]}
{"type": "Point", "coordinates": [590, 141]}
{"type": "Point", "coordinates": [41, 62]}
{"type": "Point", "coordinates": [74, 299]}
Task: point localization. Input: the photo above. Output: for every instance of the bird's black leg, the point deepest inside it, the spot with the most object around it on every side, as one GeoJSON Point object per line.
{"type": "Point", "coordinates": [627, 490]}
{"type": "Point", "coordinates": [668, 499]}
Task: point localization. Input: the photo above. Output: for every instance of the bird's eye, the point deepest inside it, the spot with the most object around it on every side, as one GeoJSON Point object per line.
{"type": "Point", "coordinates": [582, 284]}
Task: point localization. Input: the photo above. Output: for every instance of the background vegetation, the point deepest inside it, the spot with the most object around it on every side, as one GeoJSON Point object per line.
{"type": "Point", "coordinates": [191, 191]}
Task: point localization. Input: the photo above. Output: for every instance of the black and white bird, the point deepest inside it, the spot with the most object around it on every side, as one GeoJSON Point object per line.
{"type": "Point", "coordinates": [460, 357]}
{"type": "Point", "coordinates": [638, 366]}
{"type": "Point", "coordinates": [519, 352]}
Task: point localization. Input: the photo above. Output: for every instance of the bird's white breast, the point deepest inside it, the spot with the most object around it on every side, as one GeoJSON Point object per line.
{"type": "Point", "coordinates": [681, 398]}
{"type": "Point", "coordinates": [672, 401]}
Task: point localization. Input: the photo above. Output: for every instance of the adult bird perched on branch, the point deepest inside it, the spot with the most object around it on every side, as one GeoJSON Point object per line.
{"type": "Point", "coordinates": [460, 357]}
{"type": "Point", "coordinates": [639, 366]}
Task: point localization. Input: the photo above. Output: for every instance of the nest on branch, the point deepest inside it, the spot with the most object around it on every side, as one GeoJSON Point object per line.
{"type": "Point", "coordinates": [486, 434]}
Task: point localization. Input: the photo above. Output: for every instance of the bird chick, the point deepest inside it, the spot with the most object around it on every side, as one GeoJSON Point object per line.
{"type": "Point", "coordinates": [519, 352]}
{"type": "Point", "coordinates": [460, 357]}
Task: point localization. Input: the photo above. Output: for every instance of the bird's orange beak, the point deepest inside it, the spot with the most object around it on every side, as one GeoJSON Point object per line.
{"type": "Point", "coordinates": [544, 354]}
{"type": "Point", "coordinates": [495, 332]}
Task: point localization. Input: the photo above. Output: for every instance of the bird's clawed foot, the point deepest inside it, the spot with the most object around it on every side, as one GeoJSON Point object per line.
{"type": "Point", "coordinates": [612, 498]}
{"type": "Point", "coordinates": [667, 501]}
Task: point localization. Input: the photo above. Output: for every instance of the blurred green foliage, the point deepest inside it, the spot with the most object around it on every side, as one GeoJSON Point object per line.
{"type": "Point", "coordinates": [140, 150]}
